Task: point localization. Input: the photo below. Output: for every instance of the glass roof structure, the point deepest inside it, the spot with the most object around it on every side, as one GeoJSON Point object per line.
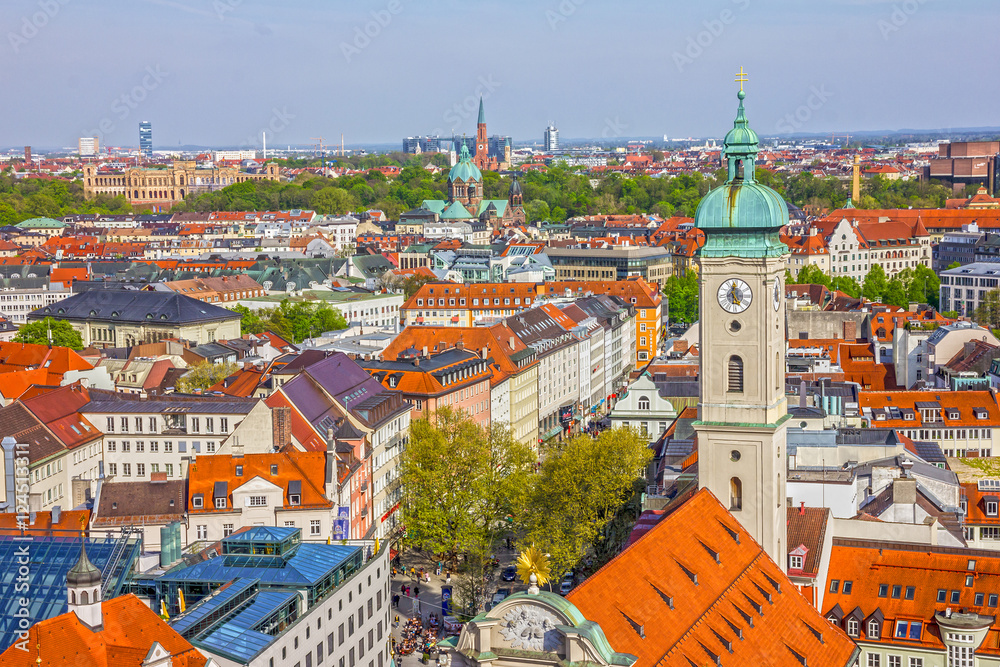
{"type": "Point", "coordinates": [242, 598]}
{"type": "Point", "coordinates": [49, 559]}
{"type": "Point", "coordinates": [304, 567]}
{"type": "Point", "coordinates": [238, 621]}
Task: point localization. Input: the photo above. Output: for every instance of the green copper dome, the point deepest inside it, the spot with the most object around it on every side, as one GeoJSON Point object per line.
{"type": "Point", "coordinates": [741, 218]}
{"type": "Point", "coordinates": [465, 170]}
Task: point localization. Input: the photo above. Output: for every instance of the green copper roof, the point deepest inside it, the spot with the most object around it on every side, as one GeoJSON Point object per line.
{"type": "Point", "coordinates": [456, 212]}
{"type": "Point", "coordinates": [741, 218]}
{"type": "Point", "coordinates": [499, 204]}
{"type": "Point", "coordinates": [741, 138]}
{"type": "Point", "coordinates": [435, 205]}
{"type": "Point", "coordinates": [41, 223]}
{"type": "Point", "coordinates": [465, 170]}
{"type": "Point", "coordinates": [482, 114]}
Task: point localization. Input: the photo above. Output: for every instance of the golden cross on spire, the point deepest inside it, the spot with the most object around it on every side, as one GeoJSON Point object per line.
{"type": "Point", "coordinates": [742, 77]}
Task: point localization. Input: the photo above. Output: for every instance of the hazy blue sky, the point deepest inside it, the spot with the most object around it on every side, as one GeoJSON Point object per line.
{"type": "Point", "coordinates": [217, 72]}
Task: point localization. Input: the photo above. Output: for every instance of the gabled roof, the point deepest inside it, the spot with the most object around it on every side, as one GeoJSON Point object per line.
{"type": "Point", "coordinates": [807, 527]}
{"type": "Point", "coordinates": [697, 587]}
{"type": "Point", "coordinates": [130, 630]}
{"type": "Point", "coordinates": [913, 576]}
{"type": "Point", "coordinates": [308, 468]}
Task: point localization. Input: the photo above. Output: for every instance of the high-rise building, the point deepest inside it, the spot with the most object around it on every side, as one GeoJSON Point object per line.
{"type": "Point", "coordinates": [27, 155]}
{"type": "Point", "coordinates": [551, 139]}
{"type": "Point", "coordinates": [89, 146]}
{"type": "Point", "coordinates": [428, 144]}
{"type": "Point", "coordinates": [146, 138]}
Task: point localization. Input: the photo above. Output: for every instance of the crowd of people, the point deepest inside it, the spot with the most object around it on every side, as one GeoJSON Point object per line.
{"type": "Point", "coordinates": [418, 638]}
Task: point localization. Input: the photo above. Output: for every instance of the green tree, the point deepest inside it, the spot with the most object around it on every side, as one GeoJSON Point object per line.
{"type": "Point", "coordinates": [204, 375]}
{"type": "Point", "coordinates": [63, 334]}
{"type": "Point", "coordinates": [810, 274]}
{"type": "Point", "coordinates": [875, 284]}
{"type": "Point", "coordinates": [847, 285]}
{"type": "Point", "coordinates": [583, 484]}
{"type": "Point", "coordinates": [250, 321]}
{"type": "Point", "coordinates": [682, 293]}
{"type": "Point", "coordinates": [463, 485]}
{"type": "Point", "coordinates": [988, 313]}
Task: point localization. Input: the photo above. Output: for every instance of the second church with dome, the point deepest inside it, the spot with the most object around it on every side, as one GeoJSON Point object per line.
{"type": "Point", "coordinates": [465, 198]}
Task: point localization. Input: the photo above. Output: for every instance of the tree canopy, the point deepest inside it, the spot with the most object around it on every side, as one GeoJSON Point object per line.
{"type": "Point", "coordinates": [582, 486]}
{"type": "Point", "coordinates": [63, 333]}
{"type": "Point", "coordinates": [292, 321]}
{"type": "Point", "coordinates": [463, 487]}
{"type": "Point", "coordinates": [682, 293]}
{"type": "Point", "coordinates": [204, 375]}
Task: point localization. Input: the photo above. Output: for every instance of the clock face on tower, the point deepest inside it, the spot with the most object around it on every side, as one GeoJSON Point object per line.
{"type": "Point", "coordinates": [776, 294]}
{"type": "Point", "coordinates": [735, 296]}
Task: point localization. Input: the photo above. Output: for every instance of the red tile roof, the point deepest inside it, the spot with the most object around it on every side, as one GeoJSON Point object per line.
{"type": "Point", "coordinates": [922, 568]}
{"type": "Point", "coordinates": [698, 587]}
{"type": "Point", "coordinates": [130, 628]}
{"type": "Point", "coordinates": [307, 467]}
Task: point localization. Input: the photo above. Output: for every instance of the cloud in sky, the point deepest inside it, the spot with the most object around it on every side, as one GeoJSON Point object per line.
{"type": "Point", "coordinates": [383, 69]}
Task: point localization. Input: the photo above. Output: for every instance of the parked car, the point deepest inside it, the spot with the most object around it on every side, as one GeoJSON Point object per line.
{"type": "Point", "coordinates": [499, 596]}
{"type": "Point", "coordinates": [567, 583]}
{"type": "Point", "coordinates": [509, 573]}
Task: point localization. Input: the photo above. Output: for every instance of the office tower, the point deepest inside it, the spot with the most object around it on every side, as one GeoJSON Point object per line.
{"type": "Point", "coordinates": [146, 138]}
{"type": "Point", "coordinates": [551, 138]}
{"type": "Point", "coordinates": [89, 146]}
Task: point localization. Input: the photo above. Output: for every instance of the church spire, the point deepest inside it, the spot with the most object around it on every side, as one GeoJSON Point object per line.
{"type": "Point", "coordinates": [83, 584]}
{"type": "Point", "coordinates": [741, 146]}
{"type": "Point", "coordinates": [482, 114]}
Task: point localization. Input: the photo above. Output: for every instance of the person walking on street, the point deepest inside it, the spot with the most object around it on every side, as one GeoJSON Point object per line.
{"type": "Point", "coordinates": [448, 577]}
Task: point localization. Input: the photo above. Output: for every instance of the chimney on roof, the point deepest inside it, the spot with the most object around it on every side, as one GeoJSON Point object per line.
{"type": "Point", "coordinates": [802, 507]}
{"type": "Point", "coordinates": [425, 352]}
{"type": "Point", "coordinates": [157, 477]}
{"type": "Point", "coordinates": [57, 513]}
{"type": "Point", "coordinates": [459, 345]}
{"type": "Point", "coordinates": [511, 343]}
{"type": "Point", "coordinates": [802, 393]}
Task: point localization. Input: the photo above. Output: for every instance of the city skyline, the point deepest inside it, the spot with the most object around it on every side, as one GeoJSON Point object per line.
{"type": "Point", "coordinates": [235, 68]}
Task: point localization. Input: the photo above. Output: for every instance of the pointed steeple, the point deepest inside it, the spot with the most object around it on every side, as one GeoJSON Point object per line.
{"type": "Point", "coordinates": [83, 591]}
{"type": "Point", "coordinates": [741, 146]}
{"type": "Point", "coordinates": [84, 573]}
{"type": "Point", "coordinates": [482, 114]}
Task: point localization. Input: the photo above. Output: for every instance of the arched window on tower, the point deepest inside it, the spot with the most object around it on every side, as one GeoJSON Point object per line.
{"type": "Point", "coordinates": [735, 494]}
{"type": "Point", "coordinates": [644, 403]}
{"type": "Point", "coordinates": [83, 598]}
{"type": "Point", "coordinates": [735, 383]}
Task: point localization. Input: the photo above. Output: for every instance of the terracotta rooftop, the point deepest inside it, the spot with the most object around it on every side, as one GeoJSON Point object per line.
{"type": "Point", "coordinates": [697, 589]}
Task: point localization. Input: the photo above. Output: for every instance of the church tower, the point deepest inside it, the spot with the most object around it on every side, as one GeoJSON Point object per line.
{"type": "Point", "coordinates": [742, 410]}
{"type": "Point", "coordinates": [482, 143]}
{"type": "Point", "coordinates": [83, 584]}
